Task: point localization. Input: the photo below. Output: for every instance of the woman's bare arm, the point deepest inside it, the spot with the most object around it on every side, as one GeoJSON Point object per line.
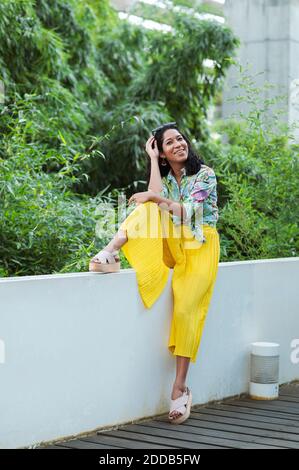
{"type": "Point", "coordinates": [171, 206]}
{"type": "Point", "coordinates": [155, 182]}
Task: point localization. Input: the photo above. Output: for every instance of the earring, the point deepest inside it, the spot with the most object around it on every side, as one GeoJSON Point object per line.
{"type": "Point", "coordinates": [163, 163]}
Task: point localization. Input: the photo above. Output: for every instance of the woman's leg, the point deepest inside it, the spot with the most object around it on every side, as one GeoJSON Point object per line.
{"type": "Point", "coordinates": [196, 278]}
{"type": "Point", "coordinates": [117, 241]}
{"type": "Point", "coordinates": [179, 386]}
{"type": "Point", "coordinates": [193, 286]}
{"type": "Point", "coordinates": [144, 250]}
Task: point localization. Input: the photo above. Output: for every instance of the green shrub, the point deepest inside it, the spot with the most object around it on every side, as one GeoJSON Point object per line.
{"type": "Point", "coordinates": [45, 226]}
{"type": "Point", "coordinates": [257, 170]}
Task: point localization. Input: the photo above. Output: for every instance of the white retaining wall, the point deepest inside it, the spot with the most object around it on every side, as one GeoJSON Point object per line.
{"type": "Point", "coordinates": [80, 351]}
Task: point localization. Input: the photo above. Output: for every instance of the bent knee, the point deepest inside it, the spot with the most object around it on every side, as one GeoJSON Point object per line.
{"type": "Point", "coordinates": [150, 203]}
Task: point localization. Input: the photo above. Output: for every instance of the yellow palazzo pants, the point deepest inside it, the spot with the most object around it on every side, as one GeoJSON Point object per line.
{"type": "Point", "coordinates": [154, 246]}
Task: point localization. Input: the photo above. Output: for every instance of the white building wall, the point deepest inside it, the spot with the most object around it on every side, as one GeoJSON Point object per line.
{"type": "Point", "coordinates": [269, 51]}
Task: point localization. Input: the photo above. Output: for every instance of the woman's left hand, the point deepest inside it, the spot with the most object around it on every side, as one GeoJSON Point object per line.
{"type": "Point", "coordinates": [139, 198]}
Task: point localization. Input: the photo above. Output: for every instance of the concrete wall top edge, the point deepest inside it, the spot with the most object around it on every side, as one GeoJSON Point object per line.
{"type": "Point", "coordinates": [131, 271]}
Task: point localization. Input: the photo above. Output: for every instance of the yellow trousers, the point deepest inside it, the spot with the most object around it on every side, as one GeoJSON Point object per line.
{"type": "Point", "coordinates": [154, 246]}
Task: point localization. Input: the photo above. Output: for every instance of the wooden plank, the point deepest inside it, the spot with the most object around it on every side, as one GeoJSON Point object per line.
{"type": "Point", "coordinates": [236, 436]}
{"type": "Point", "coordinates": [288, 399]}
{"type": "Point", "coordinates": [181, 440]}
{"type": "Point", "coordinates": [257, 411]}
{"type": "Point", "coordinates": [286, 395]}
{"type": "Point", "coordinates": [265, 406]}
{"type": "Point", "coordinates": [292, 407]}
{"type": "Point", "coordinates": [293, 425]}
{"type": "Point", "coordinates": [164, 429]}
{"type": "Point", "coordinates": [174, 443]}
{"type": "Point", "coordinates": [281, 437]}
{"type": "Point", "coordinates": [85, 444]}
{"type": "Point", "coordinates": [117, 438]}
{"type": "Point", "coordinates": [247, 423]}
{"type": "Point", "coordinates": [292, 389]}
{"type": "Point", "coordinates": [53, 447]}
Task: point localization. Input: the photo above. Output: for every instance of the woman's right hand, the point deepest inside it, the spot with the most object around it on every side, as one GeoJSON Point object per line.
{"type": "Point", "coordinates": [153, 153]}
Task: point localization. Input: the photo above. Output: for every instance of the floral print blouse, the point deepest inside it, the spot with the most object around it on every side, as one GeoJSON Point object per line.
{"type": "Point", "coordinates": [198, 194]}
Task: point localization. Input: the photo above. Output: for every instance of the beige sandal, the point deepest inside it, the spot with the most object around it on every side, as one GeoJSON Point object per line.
{"type": "Point", "coordinates": [105, 262]}
{"type": "Point", "coordinates": [182, 405]}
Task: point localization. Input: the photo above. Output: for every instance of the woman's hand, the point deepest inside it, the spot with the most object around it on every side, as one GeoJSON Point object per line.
{"type": "Point", "coordinates": [139, 198]}
{"type": "Point", "coordinates": [153, 153]}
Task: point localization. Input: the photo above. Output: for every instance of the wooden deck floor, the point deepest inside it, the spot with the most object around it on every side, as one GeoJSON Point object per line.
{"type": "Point", "coordinates": [233, 423]}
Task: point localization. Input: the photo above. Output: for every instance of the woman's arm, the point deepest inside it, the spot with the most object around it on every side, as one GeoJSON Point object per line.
{"type": "Point", "coordinates": [171, 206]}
{"type": "Point", "coordinates": [155, 182]}
{"type": "Point", "coordinates": [175, 208]}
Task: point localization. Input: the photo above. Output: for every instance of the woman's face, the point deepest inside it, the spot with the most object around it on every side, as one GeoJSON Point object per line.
{"type": "Point", "coordinates": [175, 148]}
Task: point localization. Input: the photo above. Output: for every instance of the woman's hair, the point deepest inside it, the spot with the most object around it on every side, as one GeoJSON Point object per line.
{"type": "Point", "coordinates": [192, 164]}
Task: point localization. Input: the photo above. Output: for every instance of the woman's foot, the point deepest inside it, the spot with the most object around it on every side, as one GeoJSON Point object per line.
{"type": "Point", "coordinates": [109, 255]}
{"type": "Point", "coordinates": [177, 391]}
{"type": "Point", "coordinates": [180, 407]}
{"type": "Point", "coordinates": [105, 261]}
{"type": "Point", "coordinates": [106, 255]}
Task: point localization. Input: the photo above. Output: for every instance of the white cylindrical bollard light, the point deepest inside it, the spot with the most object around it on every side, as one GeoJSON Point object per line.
{"type": "Point", "coordinates": [264, 371]}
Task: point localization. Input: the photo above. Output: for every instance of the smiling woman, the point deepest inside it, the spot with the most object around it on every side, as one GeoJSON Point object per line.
{"type": "Point", "coordinates": [182, 176]}
{"type": "Point", "coordinates": [173, 225]}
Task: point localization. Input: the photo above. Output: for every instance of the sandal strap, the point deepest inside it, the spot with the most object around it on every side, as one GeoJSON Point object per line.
{"type": "Point", "coordinates": [105, 255]}
{"type": "Point", "coordinates": [179, 404]}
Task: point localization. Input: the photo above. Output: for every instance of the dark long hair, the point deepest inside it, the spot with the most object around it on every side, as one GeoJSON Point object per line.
{"type": "Point", "coordinates": [192, 164]}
